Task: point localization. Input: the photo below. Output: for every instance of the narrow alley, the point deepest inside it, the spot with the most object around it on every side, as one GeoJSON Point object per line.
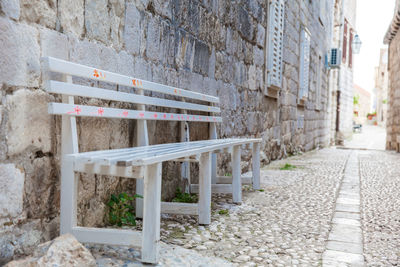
{"type": "Point", "coordinates": [190, 133]}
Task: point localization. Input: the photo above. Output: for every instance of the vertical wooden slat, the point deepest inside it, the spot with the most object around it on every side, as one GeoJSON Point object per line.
{"type": "Point", "coordinates": [69, 181]}
{"type": "Point", "coordinates": [185, 165]}
{"type": "Point", "coordinates": [256, 166]}
{"type": "Point", "coordinates": [205, 188]}
{"type": "Point", "coordinates": [213, 135]}
{"type": "Point", "coordinates": [151, 213]}
{"type": "Point", "coordinates": [142, 139]}
{"type": "Point", "coordinates": [236, 176]}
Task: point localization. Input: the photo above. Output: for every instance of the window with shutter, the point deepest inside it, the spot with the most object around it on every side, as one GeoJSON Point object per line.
{"type": "Point", "coordinates": [275, 43]}
{"type": "Point", "coordinates": [344, 51]}
{"type": "Point", "coordinates": [350, 49]}
{"type": "Point", "coordinates": [305, 40]}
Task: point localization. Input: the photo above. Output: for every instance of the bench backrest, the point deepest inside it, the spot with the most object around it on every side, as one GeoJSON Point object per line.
{"type": "Point", "coordinates": [68, 89]}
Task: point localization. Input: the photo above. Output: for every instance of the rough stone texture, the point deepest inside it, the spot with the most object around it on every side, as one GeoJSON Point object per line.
{"type": "Point", "coordinates": [71, 15]}
{"type": "Point", "coordinates": [19, 64]}
{"type": "Point", "coordinates": [25, 107]}
{"type": "Point", "coordinates": [393, 119]}
{"type": "Point", "coordinates": [42, 12]}
{"type": "Point", "coordinates": [62, 251]}
{"type": "Point", "coordinates": [11, 191]}
{"type": "Point", "coordinates": [11, 8]}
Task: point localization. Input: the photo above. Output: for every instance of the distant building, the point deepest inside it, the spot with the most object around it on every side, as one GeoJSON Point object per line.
{"type": "Point", "coordinates": [381, 87]}
{"type": "Point", "coordinates": [341, 80]}
{"type": "Point", "coordinates": [392, 38]}
{"type": "Point", "coordinates": [362, 104]}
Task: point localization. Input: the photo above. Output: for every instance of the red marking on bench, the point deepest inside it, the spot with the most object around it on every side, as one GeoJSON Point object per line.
{"type": "Point", "coordinates": [175, 91]}
{"type": "Point", "coordinates": [100, 111]}
{"type": "Point", "coordinates": [141, 115]}
{"type": "Point", "coordinates": [165, 116]}
{"type": "Point", "coordinates": [96, 73]}
{"type": "Point", "coordinates": [155, 115]}
{"type": "Point", "coordinates": [77, 110]}
{"type": "Point", "coordinates": [134, 82]}
{"type": "Point", "coordinates": [172, 116]}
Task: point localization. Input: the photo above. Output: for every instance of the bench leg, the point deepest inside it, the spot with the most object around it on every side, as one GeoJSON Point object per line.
{"type": "Point", "coordinates": [236, 176]}
{"type": "Point", "coordinates": [69, 191]}
{"type": "Point", "coordinates": [151, 213]}
{"type": "Point", "coordinates": [139, 201]}
{"type": "Point", "coordinates": [205, 188]}
{"type": "Point", "coordinates": [256, 166]}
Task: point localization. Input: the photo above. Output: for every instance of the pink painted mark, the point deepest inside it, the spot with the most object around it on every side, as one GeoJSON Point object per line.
{"type": "Point", "coordinates": [155, 115]}
{"type": "Point", "coordinates": [141, 115]}
{"type": "Point", "coordinates": [172, 116]}
{"type": "Point", "coordinates": [100, 111]}
{"type": "Point", "coordinates": [199, 118]}
{"type": "Point", "coordinates": [165, 116]}
{"type": "Point", "coordinates": [125, 113]}
{"type": "Point", "coordinates": [214, 119]}
{"type": "Point", "coordinates": [206, 118]}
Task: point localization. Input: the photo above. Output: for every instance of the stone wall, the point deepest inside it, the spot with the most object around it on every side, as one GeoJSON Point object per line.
{"type": "Point", "coordinates": [393, 119]}
{"type": "Point", "coordinates": [210, 46]}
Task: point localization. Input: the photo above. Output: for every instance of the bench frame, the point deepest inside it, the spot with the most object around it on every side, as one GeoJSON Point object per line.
{"type": "Point", "coordinates": [148, 176]}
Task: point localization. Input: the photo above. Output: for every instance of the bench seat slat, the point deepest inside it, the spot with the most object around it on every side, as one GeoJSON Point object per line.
{"type": "Point", "coordinates": [57, 87]}
{"type": "Point", "coordinates": [74, 69]}
{"type": "Point", "coordinates": [100, 112]}
{"type": "Point", "coordinates": [140, 156]}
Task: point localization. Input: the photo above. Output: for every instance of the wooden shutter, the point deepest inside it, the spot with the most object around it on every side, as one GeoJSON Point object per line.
{"type": "Point", "coordinates": [351, 49]}
{"type": "Point", "coordinates": [305, 40]}
{"type": "Point", "coordinates": [344, 53]}
{"type": "Point", "coordinates": [275, 43]}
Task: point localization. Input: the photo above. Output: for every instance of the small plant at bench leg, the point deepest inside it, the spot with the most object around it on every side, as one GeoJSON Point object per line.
{"type": "Point", "coordinates": [288, 167]}
{"type": "Point", "coordinates": [121, 211]}
{"type": "Point", "coordinates": [184, 197]}
{"type": "Point", "coordinates": [223, 212]}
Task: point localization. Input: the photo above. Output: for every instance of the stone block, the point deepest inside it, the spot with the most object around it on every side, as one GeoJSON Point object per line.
{"type": "Point", "coordinates": [11, 191]}
{"type": "Point", "coordinates": [11, 8]}
{"type": "Point", "coordinates": [84, 52]}
{"type": "Point", "coordinates": [258, 56]}
{"type": "Point", "coordinates": [71, 15]}
{"type": "Point", "coordinates": [245, 24]}
{"type": "Point", "coordinates": [153, 50]}
{"type": "Point", "coordinates": [201, 58]}
{"type": "Point", "coordinates": [260, 35]}
{"type": "Point", "coordinates": [54, 44]}
{"type": "Point", "coordinates": [19, 64]}
{"type": "Point", "coordinates": [42, 12]}
{"type": "Point", "coordinates": [29, 124]}
{"type": "Point", "coordinates": [132, 31]}
{"type": "Point", "coordinates": [163, 8]}
{"type": "Point", "coordinates": [97, 20]}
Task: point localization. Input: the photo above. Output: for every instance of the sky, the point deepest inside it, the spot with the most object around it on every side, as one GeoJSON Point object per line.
{"type": "Point", "coordinates": [372, 22]}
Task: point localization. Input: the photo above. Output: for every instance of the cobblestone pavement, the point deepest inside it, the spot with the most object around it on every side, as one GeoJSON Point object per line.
{"type": "Point", "coordinates": [380, 202]}
{"type": "Point", "coordinates": [287, 222]}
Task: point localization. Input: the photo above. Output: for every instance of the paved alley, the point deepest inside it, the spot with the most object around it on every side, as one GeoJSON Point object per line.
{"type": "Point", "coordinates": [331, 207]}
{"type": "Point", "coordinates": [371, 137]}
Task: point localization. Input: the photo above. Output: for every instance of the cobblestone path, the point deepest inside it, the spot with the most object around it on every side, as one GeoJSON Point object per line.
{"type": "Point", "coordinates": [380, 194]}
{"type": "Point", "coordinates": [289, 221]}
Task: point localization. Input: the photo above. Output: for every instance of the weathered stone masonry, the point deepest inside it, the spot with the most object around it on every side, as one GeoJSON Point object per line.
{"type": "Point", "coordinates": [210, 46]}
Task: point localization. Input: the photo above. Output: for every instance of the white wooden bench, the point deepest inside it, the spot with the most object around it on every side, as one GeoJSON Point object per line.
{"type": "Point", "coordinates": [143, 162]}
